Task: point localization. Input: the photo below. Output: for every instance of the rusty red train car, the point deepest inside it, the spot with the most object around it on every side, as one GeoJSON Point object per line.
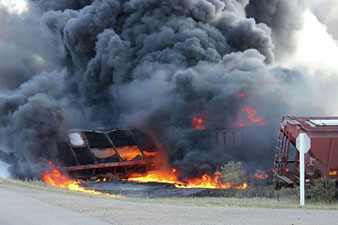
{"type": "Point", "coordinates": [320, 161]}
{"type": "Point", "coordinates": [93, 154]}
{"type": "Point", "coordinates": [100, 153]}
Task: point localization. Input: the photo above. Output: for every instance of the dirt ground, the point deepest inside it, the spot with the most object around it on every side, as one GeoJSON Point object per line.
{"type": "Point", "coordinates": [26, 205]}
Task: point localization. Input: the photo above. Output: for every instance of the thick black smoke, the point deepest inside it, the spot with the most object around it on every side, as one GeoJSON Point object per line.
{"type": "Point", "coordinates": [282, 16]}
{"type": "Point", "coordinates": [149, 64]}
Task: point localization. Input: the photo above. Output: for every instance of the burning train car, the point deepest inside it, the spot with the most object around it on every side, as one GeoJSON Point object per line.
{"type": "Point", "coordinates": [122, 153]}
{"type": "Point", "coordinates": [320, 161]}
{"type": "Point", "coordinates": [107, 153]}
{"type": "Point", "coordinates": [94, 154]}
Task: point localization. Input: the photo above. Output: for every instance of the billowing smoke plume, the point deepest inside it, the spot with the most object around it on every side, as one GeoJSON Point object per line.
{"type": "Point", "coordinates": [149, 64]}
{"type": "Point", "coordinates": [61, 4]}
{"type": "Point", "coordinates": [326, 11]}
{"type": "Point", "coordinates": [282, 16]}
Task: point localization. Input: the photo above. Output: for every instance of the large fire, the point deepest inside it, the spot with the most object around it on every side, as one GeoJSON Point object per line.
{"type": "Point", "coordinates": [55, 178]}
{"type": "Point", "coordinates": [170, 177]}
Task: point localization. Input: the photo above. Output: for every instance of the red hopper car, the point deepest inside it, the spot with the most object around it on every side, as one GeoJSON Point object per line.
{"type": "Point", "coordinates": [320, 161]}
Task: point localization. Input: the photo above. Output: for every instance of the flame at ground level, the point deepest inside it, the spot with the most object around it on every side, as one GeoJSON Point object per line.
{"type": "Point", "coordinates": [206, 181]}
{"type": "Point", "coordinates": [55, 178]}
{"type": "Point", "coordinates": [261, 176]}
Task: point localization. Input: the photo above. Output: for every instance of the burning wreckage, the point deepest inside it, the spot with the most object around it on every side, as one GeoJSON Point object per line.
{"type": "Point", "coordinates": [95, 154]}
{"type": "Point", "coordinates": [126, 155]}
{"type": "Point", "coordinates": [131, 155]}
{"type": "Point", "coordinates": [179, 64]}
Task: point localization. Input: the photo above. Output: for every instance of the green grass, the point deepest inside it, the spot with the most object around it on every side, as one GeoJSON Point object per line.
{"type": "Point", "coordinates": [288, 198]}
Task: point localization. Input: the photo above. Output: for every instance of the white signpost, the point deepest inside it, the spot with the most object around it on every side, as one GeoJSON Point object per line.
{"type": "Point", "coordinates": [303, 144]}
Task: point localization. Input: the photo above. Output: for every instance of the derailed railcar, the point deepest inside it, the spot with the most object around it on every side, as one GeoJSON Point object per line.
{"type": "Point", "coordinates": [321, 161]}
{"type": "Point", "coordinates": [94, 154]}
{"type": "Point", "coordinates": [245, 144]}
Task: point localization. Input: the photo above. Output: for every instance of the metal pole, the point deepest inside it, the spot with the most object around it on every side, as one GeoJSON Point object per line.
{"type": "Point", "coordinates": [303, 143]}
{"type": "Point", "coordinates": [302, 177]}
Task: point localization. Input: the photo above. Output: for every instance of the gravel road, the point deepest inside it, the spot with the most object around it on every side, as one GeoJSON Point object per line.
{"type": "Point", "coordinates": [19, 205]}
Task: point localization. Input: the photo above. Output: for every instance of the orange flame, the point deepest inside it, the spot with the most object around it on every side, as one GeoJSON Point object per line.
{"type": "Point", "coordinates": [149, 154]}
{"type": "Point", "coordinates": [240, 95]}
{"type": "Point", "coordinates": [261, 176]}
{"type": "Point", "coordinates": [251, 113]}
{"type": "Point", "coordinates": [55, 178]}
{"type": "Point", "coordinates": [198, 123]}
{"type": "Point", "coordinates": [129, 152]}
{"type": "Point", "coordinates": [206, 181]}
{"type": "Point", "coordinates": [245, 185]}
{"type": "Point", "coordinates": [252, 118]}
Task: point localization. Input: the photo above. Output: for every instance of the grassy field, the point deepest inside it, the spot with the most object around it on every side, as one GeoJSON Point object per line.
{"type": "Point", "coordinates": [229, 198]}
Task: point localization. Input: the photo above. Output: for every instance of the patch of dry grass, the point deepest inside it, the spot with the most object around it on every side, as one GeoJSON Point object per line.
{"type": "Point", "coordinates": [244, 202]}
{"type": "Point", "coordinates": [288, 198]}
{"type": "Point", "coordinates": [38, 184]}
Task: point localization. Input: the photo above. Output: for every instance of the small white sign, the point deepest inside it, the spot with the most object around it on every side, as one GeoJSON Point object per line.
{"type": "Point", "coordinates": [303, 143]}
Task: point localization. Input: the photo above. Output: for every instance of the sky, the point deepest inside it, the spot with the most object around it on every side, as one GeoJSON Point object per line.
{"type": "Point", "coordinates": [316, 51]}
{"type": "Point", "coordinates": [15, 6]}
